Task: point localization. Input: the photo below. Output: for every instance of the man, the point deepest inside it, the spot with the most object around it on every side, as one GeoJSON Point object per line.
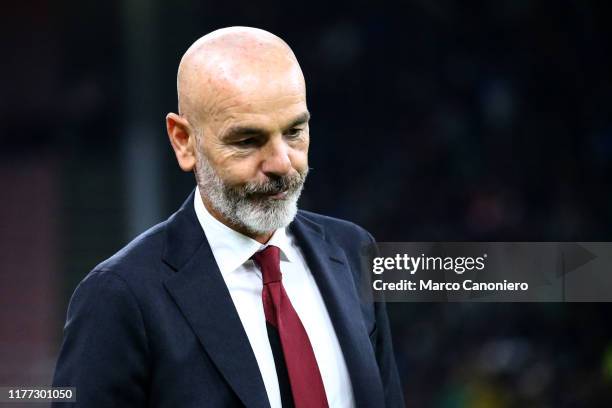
{"type": "Point", "coordinates": [238, 299]}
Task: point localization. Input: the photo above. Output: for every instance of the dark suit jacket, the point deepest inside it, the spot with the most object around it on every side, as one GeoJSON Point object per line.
{"type": "Point", "coordinates": [155, 326]}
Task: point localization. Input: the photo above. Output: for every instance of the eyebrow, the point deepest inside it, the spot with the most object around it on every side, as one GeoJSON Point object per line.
{"type": "Point", "coordinates": [240, 130]}
{"type": "Point", "coordinates": [300, 120]}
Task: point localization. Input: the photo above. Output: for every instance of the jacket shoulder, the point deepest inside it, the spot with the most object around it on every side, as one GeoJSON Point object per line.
{"type": "Point", "coordinates": [337, 229]}
{"type": "Point", "coordinates": [139, 257]}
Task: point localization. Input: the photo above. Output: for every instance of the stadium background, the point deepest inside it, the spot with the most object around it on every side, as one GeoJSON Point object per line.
{"type": "Point", "coordinates": [431, 120]}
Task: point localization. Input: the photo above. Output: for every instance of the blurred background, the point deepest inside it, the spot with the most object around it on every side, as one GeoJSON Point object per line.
{"type": "Point", "coordinates": [431, 120]}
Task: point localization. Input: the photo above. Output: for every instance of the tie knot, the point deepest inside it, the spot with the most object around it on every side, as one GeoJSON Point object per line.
{"type": "Point", "coordinates": [268, 261]}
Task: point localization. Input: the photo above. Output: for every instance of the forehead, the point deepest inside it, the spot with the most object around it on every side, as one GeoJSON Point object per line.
{"type": "Point", "coordinates": [265, 102]}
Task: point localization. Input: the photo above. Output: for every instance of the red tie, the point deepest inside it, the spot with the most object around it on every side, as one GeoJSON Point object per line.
{"type": "Point", "coordinates": [304, 376]}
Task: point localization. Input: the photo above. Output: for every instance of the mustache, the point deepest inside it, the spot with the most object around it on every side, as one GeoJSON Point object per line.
{"type": "Point", "coordinates": [275, 185]}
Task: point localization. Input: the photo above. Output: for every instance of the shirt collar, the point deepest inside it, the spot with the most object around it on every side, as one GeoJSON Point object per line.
{"type": "Point", "coordinates": [231, 248]}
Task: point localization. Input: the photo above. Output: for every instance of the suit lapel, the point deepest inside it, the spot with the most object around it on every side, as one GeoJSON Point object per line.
{"type": "Point", "coordinates": [200, 292]}
{"type": "Point", "coordinates": [330, 269]}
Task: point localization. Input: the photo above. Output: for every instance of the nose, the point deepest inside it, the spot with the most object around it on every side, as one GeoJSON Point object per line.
{"type": "Point", "coordinates": [276, 158]}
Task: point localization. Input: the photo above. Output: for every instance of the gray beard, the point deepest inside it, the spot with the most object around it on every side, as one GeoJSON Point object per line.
{"type": "Point", "coordinates": [244, 206]}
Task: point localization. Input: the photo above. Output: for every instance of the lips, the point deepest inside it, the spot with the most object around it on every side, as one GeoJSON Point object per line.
{"type": "Point", "coordinates": [279, 196]}
{"type": "Point", "coordinates": [271, 196]}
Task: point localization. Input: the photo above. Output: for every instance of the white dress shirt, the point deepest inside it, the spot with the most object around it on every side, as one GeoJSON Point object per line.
{"type": "Point", "coordinates": [233, 251]}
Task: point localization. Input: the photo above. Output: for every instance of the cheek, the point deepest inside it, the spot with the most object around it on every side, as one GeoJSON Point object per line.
{"type": "Point", "coordinates": [238, 171]}
{"type": "Point", "coordinates": [299, 159]}
{"type": "Point", "coordinates": [228, 166]}
{"type": "Point", "coordinates": [301, 154]}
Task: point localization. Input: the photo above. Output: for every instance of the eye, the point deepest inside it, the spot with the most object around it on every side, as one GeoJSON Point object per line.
{"type": "Point", "coordinates": [246, 142]}
{"type": "Point", "coordinates": [294, 133]}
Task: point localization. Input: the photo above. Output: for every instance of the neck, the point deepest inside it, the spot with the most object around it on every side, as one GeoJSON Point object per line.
{"type": "Point", "coordinates": [261, 238]}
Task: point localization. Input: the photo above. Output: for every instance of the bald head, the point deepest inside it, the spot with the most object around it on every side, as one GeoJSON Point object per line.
{"type": "Point", "coordinates": [230, 63]}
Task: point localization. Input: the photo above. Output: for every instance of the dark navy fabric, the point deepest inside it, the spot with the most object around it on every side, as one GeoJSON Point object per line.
{"type": "Point", "coordinates": [155, 326]}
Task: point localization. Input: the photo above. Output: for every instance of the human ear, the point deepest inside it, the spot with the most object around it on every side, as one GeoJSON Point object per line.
{"type": "Point", "coordinates": [182, 140]}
